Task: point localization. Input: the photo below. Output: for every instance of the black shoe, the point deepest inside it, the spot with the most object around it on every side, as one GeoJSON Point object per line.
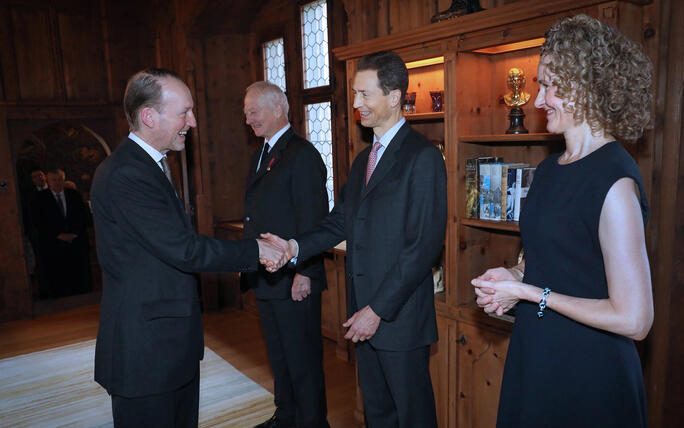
{"type": "Point", "coordinates": [277, 423]}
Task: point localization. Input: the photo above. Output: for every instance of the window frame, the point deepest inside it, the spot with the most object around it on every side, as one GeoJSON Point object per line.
{"type": "Point", "coordinates": [298, 97]}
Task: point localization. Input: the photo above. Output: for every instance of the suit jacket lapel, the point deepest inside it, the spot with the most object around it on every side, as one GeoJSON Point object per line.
{"type": "Point", "coordinates": [155, 170]}
{"type": "Point", "coordinates": [387, 161]}
{"type": "Point", "coordinates": [272, 158]}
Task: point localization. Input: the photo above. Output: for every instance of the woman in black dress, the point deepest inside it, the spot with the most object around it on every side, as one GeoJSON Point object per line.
{"type": "Point", "coordinates": [583, 292]}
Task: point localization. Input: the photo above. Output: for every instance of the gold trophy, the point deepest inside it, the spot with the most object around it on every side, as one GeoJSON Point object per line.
{"type": "Point", "coordinates": [515, 100]}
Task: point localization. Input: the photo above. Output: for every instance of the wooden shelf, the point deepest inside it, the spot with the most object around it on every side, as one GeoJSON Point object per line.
{"type": "Point", "coordinates": [416, 117]}
{"type": "Point", "coordinates": [511, 226]}
{"type": "Point", "coordinates": [510, 138]}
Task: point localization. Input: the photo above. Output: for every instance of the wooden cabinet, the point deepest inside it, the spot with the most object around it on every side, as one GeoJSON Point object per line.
{"type": "Point", "coordinates": [469, 58]}
{"type": "Point", "coordinates": [481, 354]}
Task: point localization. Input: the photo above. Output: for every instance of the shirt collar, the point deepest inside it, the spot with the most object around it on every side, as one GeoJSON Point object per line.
{"type": "Point", "coordinates": [387, 136]}
{"type": "Point", "coordinates": [155, 154]}
{"type": "Point", "coordinates": [274, 139]}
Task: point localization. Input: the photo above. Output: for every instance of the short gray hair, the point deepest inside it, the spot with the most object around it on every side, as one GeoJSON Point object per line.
{"type": "Point", "coordinates": [272, 93]}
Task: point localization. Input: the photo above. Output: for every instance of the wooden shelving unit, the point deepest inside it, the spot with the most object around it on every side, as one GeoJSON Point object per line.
{"type": "Point", "coordinates": [418, 117]}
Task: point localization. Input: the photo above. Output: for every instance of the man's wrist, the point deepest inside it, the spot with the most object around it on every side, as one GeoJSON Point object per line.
{"type": "Point", "coordinates": [517, 272]}
{"type": "Point", "coordinates": [293, 243]}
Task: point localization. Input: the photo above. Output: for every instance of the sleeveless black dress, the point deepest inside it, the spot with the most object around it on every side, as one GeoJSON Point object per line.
{"type": "Point", "coordinates": [560, 373]}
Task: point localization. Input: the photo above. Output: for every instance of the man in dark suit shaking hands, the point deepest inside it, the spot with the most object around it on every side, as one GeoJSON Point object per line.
{"type": "Point", "coordinates": [150, 339]}
{"type": "Point", "coordinates": [392, 213]}
{"type": "Point", "coordinates": [286, 195]}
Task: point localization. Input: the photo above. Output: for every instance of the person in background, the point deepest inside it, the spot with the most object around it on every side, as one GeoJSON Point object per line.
{"type": "Point", "coordinates": [150, 339]}
{"type": "Point", "coordinates": [286, 195]}
{"type": "Point", "coordinates": [392, 213]}
{"type": "Point", "coordinates": [62, 219]}
{"type": "Point", "coordinates": [31, 240]}
{"type": "Point", "coordinates": [583, 292]}
{"type": "Point", "coordinates": [38, 180]}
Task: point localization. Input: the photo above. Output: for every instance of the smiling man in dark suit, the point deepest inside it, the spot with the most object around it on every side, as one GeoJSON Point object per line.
{"type": "Point", "coordinates": [150, 339]}
{"type": "Point", "coordinates": [392, 213]}
{"type": "Point", "coordinates": [286, 195]}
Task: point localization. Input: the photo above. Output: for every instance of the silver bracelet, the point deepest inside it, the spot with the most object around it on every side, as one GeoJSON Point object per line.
{"type": "Point", "coordinates": [542, 302]}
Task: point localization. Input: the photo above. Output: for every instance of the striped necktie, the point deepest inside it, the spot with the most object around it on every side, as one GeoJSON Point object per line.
{"type": "Point", "coordinates": [167, 173]}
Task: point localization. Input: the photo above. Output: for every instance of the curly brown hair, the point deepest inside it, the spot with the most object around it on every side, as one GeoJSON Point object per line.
{"type": "Point", "coordinates": [601, 76]}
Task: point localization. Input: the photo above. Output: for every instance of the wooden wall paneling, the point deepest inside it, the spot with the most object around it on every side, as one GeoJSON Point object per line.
{"type": "Point", "coordinates": [15, 292]}
{"type": "Point", "coordinates": [664, 376]}
{"type": "Point", "coordinates": [476, 101]}
{"type": "Point", "coordinates": [228, 141]}
{"type": "Point", "coordinates": [407, 14]}
{"type": "Point", "coordinates": [383, 18]}
{"type": "Point", "coordinates": [82, 52]}
{"type": "Point", "coordinates": [196, 173]}
{"type": "Point", "coordinates": [365, 19]}
{"type": "Point", "coordinates": [228, 283]}
{"type": "Point", "coordinates": [129, 40]}
{"type": "Point", "coordinates": [338, 37]}
{"type": "Point", "coordinates": [8, 72]}
{"type": "Point", "coordinates": [37, 67]}
{"type": "Point", "coordinates": [649, 37]}
{"type": "Point", "coordinates": [331, 317]}
{"type": "Point", "coordinates": [501, 16]}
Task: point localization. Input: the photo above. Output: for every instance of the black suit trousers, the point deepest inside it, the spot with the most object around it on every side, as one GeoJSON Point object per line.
{"type": "Point", "coordinates": [295, 351]}
{"type": "Point", "coordinates": [396, 387]}
{"type": "Point", "coordinates": [174, 409]}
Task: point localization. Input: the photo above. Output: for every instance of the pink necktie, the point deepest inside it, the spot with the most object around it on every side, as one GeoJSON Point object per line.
{"type": "Point", "coordinates": [372, 160]}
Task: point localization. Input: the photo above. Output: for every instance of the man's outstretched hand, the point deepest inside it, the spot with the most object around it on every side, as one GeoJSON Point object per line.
{"type": "Point", "coordinates": [282, 251]}
{"type": "Point", "coordinates": [272, 256]}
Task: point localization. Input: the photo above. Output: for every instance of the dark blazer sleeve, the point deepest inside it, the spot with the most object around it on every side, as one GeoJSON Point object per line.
{"type": "Point", "coordinates": [148, 214]}
{"type": "Point", "coordinates": [425, 225]}
{"type": "Point", "coordinates": [329, 232]}
{"type": "Point", "coordinates": [310, 200]}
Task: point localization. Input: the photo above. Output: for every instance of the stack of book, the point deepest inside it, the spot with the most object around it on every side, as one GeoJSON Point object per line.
{"type": "Point", "coordinates": [496, 190]}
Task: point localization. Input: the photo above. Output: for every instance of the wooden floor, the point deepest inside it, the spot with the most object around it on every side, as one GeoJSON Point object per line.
{"type": "Point", "coordinates": [234, 335]}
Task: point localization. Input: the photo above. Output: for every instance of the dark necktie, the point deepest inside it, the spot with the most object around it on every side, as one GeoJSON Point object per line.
{"type": "Point", "coordinates": [372, 160]}
{"type": "Point", "coordinates": [167, 172]}
{"type": "Point", "coordinates": [264, 154]}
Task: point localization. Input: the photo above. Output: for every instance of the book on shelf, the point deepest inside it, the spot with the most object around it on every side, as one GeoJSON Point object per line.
{"type": "Point", "coordinates": [495, 191]}
{"type": "Point", "coordinates": [473, 183]}
{"type": "Point", "coordinates": [509, 172]}
{"type": "Point", "coordinates": [524, 179]}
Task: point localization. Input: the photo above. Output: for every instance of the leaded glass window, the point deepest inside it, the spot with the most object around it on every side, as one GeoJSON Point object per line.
{"type": "Point", "coordinates": [315, 44]}
{"type": "Point", "coordinates": [319, 132]}
{"type": "Point", "coordinates": [274, 62]}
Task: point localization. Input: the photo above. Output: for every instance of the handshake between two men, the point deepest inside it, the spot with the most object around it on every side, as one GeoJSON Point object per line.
{"type": "Point", "coordinates": [275, 252]}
